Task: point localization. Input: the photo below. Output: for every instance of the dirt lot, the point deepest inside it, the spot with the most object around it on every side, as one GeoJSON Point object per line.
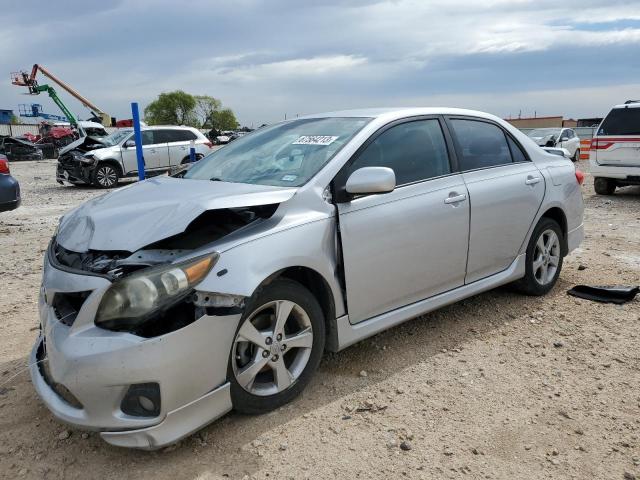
{"type": "Point", "coordinates": [498, 386]}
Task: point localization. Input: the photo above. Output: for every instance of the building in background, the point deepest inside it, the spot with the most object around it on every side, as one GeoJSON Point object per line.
{"type": "Point", "coordinates": [589, 122]}
{"type": "Point", "coordinates": [5, 116]}
{"type": "Point", "coordinates": [542, 122]}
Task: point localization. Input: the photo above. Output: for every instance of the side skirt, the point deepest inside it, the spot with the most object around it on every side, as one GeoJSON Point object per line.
{"type": "Point", "coordinates": [349, 334]}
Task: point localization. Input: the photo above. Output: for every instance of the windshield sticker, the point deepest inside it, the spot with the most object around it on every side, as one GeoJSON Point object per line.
{"type": "Point", "coordinates": [315, 140]}
{"type": "Point", "coordinates": [289, 178]}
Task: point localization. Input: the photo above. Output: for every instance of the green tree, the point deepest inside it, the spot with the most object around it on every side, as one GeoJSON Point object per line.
{"type": "Point", "coordinates": [206, 107]}
{"type": "Point", "coordinates": [172, 108]}
{"type": "Point", "coordinates": [224, 119]}
{"type": "Point", "coordinates": [15, 120]}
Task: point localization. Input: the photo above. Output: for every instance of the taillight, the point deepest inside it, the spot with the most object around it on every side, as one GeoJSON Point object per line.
{"type": "Point", "coordinates": [4, 166]}
{"type": "Point", "coordinates": [579, 176]}
{"type": "Point", "coordinates": [600, 144]}
{"type": "Point", "coordinates": [209, 144]}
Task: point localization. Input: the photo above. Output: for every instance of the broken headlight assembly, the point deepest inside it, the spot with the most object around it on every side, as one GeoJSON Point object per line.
{"type": "Point", "coordinates": [88, 159]}
{"type": "Point", "coordinates": [131, 301]}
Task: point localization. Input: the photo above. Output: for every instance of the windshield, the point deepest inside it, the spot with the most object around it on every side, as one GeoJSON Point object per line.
{"type": "Point", "coordinates": [284, 155]}
{"type": "Point", "coordinates": [543, 132]}
{"type": "Point", "coordinates": [116, 137]}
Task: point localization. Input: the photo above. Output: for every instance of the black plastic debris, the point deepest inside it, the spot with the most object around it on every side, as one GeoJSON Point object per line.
{"type": "Point", "coordinates": [615, 294]}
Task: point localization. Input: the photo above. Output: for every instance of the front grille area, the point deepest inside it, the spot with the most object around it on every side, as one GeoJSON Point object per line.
{"type": "Point", "coordinates": [67, 305]}
{"type": "Point", "coordinates": [62, 391]}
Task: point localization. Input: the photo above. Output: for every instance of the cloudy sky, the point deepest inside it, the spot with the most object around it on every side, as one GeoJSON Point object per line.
{"type": "Point", "coordinates": [265, 59]}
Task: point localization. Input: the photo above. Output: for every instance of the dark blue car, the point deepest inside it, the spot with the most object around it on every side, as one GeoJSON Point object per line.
{"type": "Point", "coordinates": [9, 187]}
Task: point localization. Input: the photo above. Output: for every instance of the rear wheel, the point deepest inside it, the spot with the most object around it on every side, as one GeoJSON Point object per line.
{"type": "Point", "coordinates": [277, 348]}
{"type": "Point", "coordinates": [604, 186]}
{"type": "Point", "coordinates": [105, 176]}
{"type": "Point", "coordinates": [576, 156]}
{"type": "Point", "coordinates": [543, 259]}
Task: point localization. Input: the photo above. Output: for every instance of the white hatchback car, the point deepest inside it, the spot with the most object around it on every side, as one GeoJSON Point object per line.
{"type": "Point", "coordinates": [163, 147]}
{"type": "Point", "coordinates": [615, 149]}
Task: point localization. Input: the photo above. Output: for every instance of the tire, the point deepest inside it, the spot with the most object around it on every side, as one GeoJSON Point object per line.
{"type": "Point", "coordinates": [542, 268]}
{"type": "Point", "coordinates": [252, 371]}
{"type": "Point", "coordinates": [604, 186]}
{"type": "Point", "coordinates": [187, 160]}
{"type": "Point", "coordinates": [576, 156]}
{"type": "Point", "coordinates": [105, 175]}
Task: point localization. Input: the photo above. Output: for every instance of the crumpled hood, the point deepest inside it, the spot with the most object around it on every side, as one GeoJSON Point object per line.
{"type": "Point", "coordinates": [135, 216]}
{"type": "Point", "coordinates": [542, 141]}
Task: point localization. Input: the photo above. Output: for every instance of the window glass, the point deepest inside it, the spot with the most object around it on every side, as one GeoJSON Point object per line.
{"type": "Point", "coordinates": [516, 152]}
{"type": "Point", "coordinates": [621, 121]}
{"type": "Point", "coordinates": [147, 137]}
{"type": "Point", "coordinates": [168, 136]}
{"type": "Point", "coordinates": [287, 154]}
{"type": "Point", "coordinates": [414, 150]}
{"type": "Point", "coordinates": [483, 144]}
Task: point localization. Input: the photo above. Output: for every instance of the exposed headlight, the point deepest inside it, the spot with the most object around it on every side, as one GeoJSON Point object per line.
{"type": "Point", "coordinates": [90, 159]}
{"type": "Point", "coordinates": [132, 300]}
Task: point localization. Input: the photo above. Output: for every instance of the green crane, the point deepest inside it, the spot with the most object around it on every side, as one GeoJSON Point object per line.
{"type": "Point", "coordinates": [54, 96]}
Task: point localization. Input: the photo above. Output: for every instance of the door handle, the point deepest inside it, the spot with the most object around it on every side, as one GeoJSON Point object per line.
{"type": "Point", "coordinates": [454, 198]}
{"type": "Point", "coordinates": [532, 180]}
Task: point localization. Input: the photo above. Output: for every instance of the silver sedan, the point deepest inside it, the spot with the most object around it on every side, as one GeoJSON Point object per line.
{"type": "Point", "coordinates": [170, 302]}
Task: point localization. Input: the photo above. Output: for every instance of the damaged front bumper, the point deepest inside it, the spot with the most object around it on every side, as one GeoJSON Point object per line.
{"type": "Point", "coordinates": [84, 373]}
{"type": "Point", "coordinates": [71, 170]}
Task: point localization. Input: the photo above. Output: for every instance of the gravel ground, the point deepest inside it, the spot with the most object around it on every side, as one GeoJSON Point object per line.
{"type": "Point", "coordinates": [497, 386]}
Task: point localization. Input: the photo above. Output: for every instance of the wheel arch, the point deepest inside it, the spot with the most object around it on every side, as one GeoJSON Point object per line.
{"type": "Point", "coordinates": [113, 162]}
{"type": "Point", "coordinates": [320, 289]}
{"type": "Point", "coordinates": [557, 214]}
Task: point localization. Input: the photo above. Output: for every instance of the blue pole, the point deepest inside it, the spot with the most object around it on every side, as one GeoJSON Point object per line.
{"type": "Point", "coordinates": [138, 136]}
{"type": "Point", "coordinates": [192, 151]}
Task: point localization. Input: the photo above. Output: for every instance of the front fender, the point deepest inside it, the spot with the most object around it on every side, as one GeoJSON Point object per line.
{"type": "Point", "coordinates": [242, 269]}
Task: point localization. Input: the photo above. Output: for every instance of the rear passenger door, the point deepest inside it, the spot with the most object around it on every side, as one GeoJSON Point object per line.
{"type": "Point", "coordinates": [505, 192]}
{"type": "Point", "coordinates": [411, 243]}
{"type": "Point", "coordinates": [179, 143]}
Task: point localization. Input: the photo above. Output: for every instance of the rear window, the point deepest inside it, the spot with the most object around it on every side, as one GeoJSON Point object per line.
{"type": "Point", "coordinates": [621, 121]}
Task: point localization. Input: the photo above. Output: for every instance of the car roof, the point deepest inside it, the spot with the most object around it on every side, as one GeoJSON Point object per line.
{"type": "Point", "coordinates": [170, 127]}
{"type": "Point", "coordinates": [628, 105]}
{"type": "Point", "coordinates": [401, 112]}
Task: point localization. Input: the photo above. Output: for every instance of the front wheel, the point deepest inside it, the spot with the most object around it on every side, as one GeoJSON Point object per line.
{"type": "Point", "coordinates": [105, 176]}
{"type": "Point", "coordinates": [543, 259]}
{"type": "Point", "coordinates": [277, 348]}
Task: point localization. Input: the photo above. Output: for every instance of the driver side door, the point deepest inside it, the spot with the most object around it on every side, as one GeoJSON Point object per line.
{"type": "Point", "coordinates": [409, 244]}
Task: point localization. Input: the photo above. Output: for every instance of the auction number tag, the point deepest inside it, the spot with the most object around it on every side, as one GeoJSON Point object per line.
{"type": "Point", "coordinates": [315, 140]}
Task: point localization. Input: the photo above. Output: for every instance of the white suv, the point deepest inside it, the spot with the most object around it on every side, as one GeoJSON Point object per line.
{"type": "Point", "coordinates": [163, 147]}
{"type": "Point", "coordinates": [565, 138]}
{"type": "Point", "coordinates": [615, 149]}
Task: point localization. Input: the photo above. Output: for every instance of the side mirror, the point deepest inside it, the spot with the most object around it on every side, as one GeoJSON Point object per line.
{"type": "Point", "coordinates": [368, 180]}
{"type": "Point", "coordinates": [129, 144]}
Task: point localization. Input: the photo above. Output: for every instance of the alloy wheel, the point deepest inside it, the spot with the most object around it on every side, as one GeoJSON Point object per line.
{"type": "Point", "coordinates": [106, 176]}
{"type": "Point", "coordinates": [272, 348]}
{"type": "Point", "coordinates": [546, 257]}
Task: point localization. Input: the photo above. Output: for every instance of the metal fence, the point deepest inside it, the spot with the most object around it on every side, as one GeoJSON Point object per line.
{"type": "Point", "coordinates": [18, 130]}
